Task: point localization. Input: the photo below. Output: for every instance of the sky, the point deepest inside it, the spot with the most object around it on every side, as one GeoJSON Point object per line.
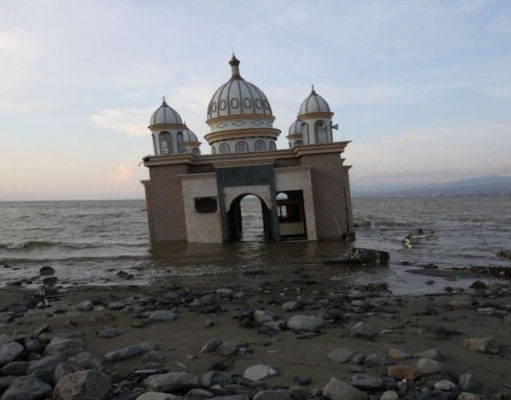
{"type": "Point", "coordinates": [421, 88]}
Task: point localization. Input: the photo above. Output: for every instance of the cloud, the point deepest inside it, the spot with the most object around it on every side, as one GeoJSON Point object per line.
{"type": "Point", "coordinates": [125, 172]}
{"type": "Point", "coordinates": [130, 121]}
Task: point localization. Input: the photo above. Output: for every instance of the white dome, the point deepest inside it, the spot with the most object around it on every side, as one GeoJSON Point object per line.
{"type": "Point", "coordinates": [237, 96]}
{"type": "Point", "coordinates": [295, 128]}
{"type": "Point", "coordinates": [314, 103]}
{"type": "Point", "coordinates": [165, 115]}
{"type": "Point", "coordinates": [189, 136]}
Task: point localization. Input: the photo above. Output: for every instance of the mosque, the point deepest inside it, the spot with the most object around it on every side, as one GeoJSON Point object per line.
{"type": "Point", "coordinates": [304, 191]}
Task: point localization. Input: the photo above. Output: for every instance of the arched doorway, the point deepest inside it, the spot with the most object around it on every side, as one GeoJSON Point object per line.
{"type": "Point", "coordinates": [249, 219]}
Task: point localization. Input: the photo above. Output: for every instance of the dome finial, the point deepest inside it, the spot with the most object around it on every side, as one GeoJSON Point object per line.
{"type": "Point", "coordinates": [235, 67]}
{"type": "Point", "coordinates": [313, 91]}
{"type": "Point", "coordinates": [164, 100]}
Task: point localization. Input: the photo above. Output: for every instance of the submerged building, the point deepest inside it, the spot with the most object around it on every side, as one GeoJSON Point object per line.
{"type": "Point", "coordinates": [304, 190]}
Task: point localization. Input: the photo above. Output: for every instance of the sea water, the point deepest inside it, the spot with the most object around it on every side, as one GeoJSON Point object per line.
{"type": "Point", "coordinates": [91, 241]}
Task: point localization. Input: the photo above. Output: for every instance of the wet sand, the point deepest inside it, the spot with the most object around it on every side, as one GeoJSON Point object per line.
{"type": "Point", "coordinates": [205, 313]}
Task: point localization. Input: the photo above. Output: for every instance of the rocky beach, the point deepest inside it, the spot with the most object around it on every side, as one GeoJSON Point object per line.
{"type": "Point", "coordinates": [302, 333]}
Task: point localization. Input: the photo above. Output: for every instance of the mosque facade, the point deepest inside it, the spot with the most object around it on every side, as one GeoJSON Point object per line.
{"type": "Point", "coordinates": [304, 191]}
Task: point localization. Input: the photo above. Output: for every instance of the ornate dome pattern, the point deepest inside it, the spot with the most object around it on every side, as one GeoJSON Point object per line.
{"type": "Point", "coordinates": [237, 96]}
{"type": "Point", "coordinates": [314, 103]}
{"type": "Point", "coordinates": [165, 115]}
{"type": "Point", "coordinates": [189, 136]}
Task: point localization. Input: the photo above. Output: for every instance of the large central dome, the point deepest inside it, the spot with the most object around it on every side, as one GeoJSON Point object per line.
{"type": "Point", "coordinates": [240, 117]}
{"type": "Point", "coordinates": [237, 96]}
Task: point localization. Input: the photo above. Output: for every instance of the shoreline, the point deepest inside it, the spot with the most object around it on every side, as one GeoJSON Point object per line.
{"type": "Point", "coordinates": [249, 316]}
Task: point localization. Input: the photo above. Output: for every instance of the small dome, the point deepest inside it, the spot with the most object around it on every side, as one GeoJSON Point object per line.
{"type": "Point", "coordinates": [189, 136]}
{"type": "Point", "coordinates": [165, 115]}
{"type": "Point", "coordinates": [237, 96]}
{"type": "Point", "coordinates": [314, 103]}
{"type": "Point", "coordinates": [295, 128]}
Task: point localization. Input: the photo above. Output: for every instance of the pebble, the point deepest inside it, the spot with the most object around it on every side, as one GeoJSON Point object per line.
{"type": "Point", "coordinates": [434, 332]}
{"type": "Point", "coordinates": [211, 345]}
{"type": "Point", "coordinates": [309, 323]}
{"type": "Point", "coordinates": [259, 372]}
{"type": "Point", "coordinates": [27, 387]}
{"type": "Point", "coordinates": [363, 330]}
{"type": "Point", "coordinates": [108, 333]}
{"type": "Point", "coordinates": [469, 383]}
{"type": "Point", "coordinates": [90, 383]}
{"type": "Point", "coordinates": [46, 270]}
{"type": "Point", "coordinates": [389, 395]}
{"type": "Point", "coordinates": [158, 396]}
{"type": "Point", "coordinates": [404, 371]}
{"type": "Point", "coordinates": [398, 354]}
{"type": "Point", "coordinates": [444, 385]}
{"type": "Point", "coordinates": [124, 353]}
{"type": "Point", "coordinates": [366, 382]}
{"type": "Point", "coordinates": [171, 382]}
{"type": "Point", "coordinates": [341, 355]}
{"type": "Point", "coordinates": [433, 354]}
{"type": "Point", "coordinates": [163, 315]}
{"type": "Point", "coordinates": [10, 352]}
{"type": "Point", "coordinates": [429, 367]}
{"type": "Point", "coordinates": [227, 349]}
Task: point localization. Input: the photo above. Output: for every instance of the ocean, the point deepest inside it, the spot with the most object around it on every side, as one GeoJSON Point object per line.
{"type": "Point", "coordinates": [89, 242]}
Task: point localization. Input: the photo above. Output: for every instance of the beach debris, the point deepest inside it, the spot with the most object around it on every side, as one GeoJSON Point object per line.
{"type": "Point", "coordinates": [414, 237]}
{"type": "Point", "coordinates": [369, 257]}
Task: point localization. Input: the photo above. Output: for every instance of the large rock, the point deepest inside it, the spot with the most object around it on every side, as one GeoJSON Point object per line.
{"type": "Point", "coordinates": [124, 353]}
{"type": "Point", "coordinates": [19, 368]}
{"type": "Point", "coordinates": [363, 330]}
{"type": "Point", "coordinates": [482, 345]}
{"type": "Point", "coordinates": [369, 257]}
{"type": "Point", "coordinates": [63, 346]}
{"type": "Point", "coordinates": [85, 360]}
{"type": "Point", "coordinates": [305, 323]}
{"type": "Point", "coordinates": [10, 352]}
{"type": "Point", "coordinates": [272, 395]}
{"type": "Point", "coordinates": [258, 372]}
{"type": "Point", "coordinates": [171, 382]}
{"type": "Point", "coordinates": [90, 383]}
{"type": "Point", "coordinates": [44, 368]}
{"type": "Point", "coordinates": [338, 390]}
{"type": "Point", "coordinates": [340, 355]}
{"type": "Point", "coordinates": [27, 388]}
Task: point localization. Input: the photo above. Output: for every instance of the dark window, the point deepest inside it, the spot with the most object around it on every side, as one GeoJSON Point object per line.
{"type": "Point", "coordinates": [289, 206]}
{"type": "Point", "coordinates": [206, 205]}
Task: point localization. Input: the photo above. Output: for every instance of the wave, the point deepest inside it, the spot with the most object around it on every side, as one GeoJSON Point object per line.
{"type": "Point", "coordinates": [44, 244]}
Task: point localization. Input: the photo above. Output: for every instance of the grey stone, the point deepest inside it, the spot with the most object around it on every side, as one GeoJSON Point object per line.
{"type": "Point", "coordinates": [292, 305]}
{"type": "Point", "coordinates": [399, 355]}
{"type": "Point", "coordinates": [444, 385]}
{"type": "Point", "coordinates": [86, 360]}
{"type": "Point", "coordinates": [338, 390]}
{"type": "Point", "coordinates": [434, 332]}
{"type": "Point", "coordinates": [16, 368]}
{"type": "Point", "coordinates": [433, 354]}
{"type": "Point", "coordinates": [63, 368]}
{"type": "Point", "coordinates": [262, 316]}
{"type": "Point", "coordinates": [363, 330]}
{"type": "Point", "coordinates": [163, 315]}
{"type": "Point", "coordinates": [272, 395]}
{"type": "Point", "coordinates": [6, 381]}
{"type": "Point", "coordinates": [258, 372]}
{"type": "Point", "coordinates": [116, 305]}
{"type": "Point", "coordinates": [469, 383]}
{"type": "Point", "coordinates": [231, 397]}
{"type": "Point", "coordinates": [486, 311]}
{"type": "Point", "coordinates": [10, 352]}
{"type": "Point", "coordinates": [124, 353]}
{"type": "Point", "coordinates": [211, 345]}
{"type": "Point", "coordinates": [366, 382]}
{"type": "Point", "coordinates": [305, 323]}
{"type": "Point", "coordinates": [6, 318]}
{"type": "Point", "coordinates": [90, 383]}
{"type": "Point", "coordinates": [389, 395]}
{"type": "Point", "coordinates": [171, 382]}
{"type": "Point", "coordinates": [44, 368]}
{"type": "Point", "coordinates": [375, 359]}
{"type": "Point", "coordinates": [158, 396]}
{"type": "Point", "coordinates": [429, 367]}
{"type": "Point", "coordinates": [27, 388]}
{"type": "Point", "coordinates": [215, 377]}
{"type": "Point", "coordinates": [340, 355]}
{"type": "Point", "coordinates": [153, 357]}
{"type": "Point", "coordinates": [198, 394]}
{"type": "Point", "coordinates": [108, 333]}
{"type": "Point", "coordinates": [227, 349]}
{"type": "Point", "coordinates": [63, 346]}
{"type": "Point", "coordinates": [85, 305]}
{"type": "Point", "coordinates": [468, 396]}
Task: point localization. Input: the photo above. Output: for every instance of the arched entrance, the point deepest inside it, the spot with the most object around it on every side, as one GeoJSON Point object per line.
{"type": "Point", "coordinates": [249, 219]}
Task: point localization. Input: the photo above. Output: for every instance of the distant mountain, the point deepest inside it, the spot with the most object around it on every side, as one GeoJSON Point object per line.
{"type": "Point", "coordinates": [492, 184]}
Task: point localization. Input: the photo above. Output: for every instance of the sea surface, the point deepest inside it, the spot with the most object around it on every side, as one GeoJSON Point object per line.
{"type": "Point", "coordinates": [89, 242]}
